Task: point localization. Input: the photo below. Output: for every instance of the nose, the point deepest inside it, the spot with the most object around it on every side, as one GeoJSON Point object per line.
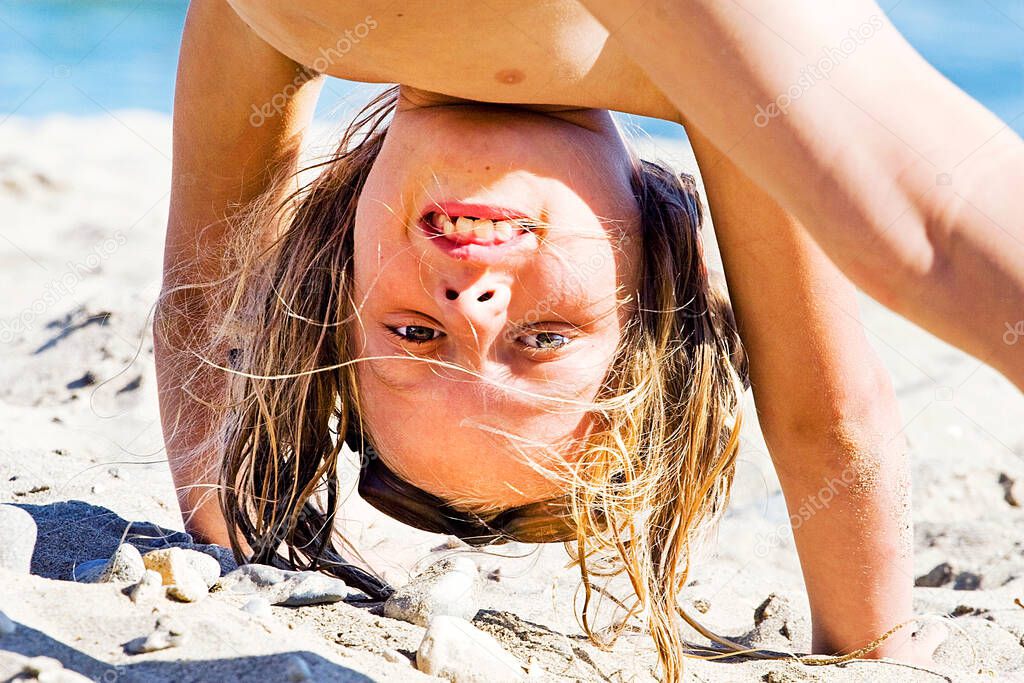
{"type": "Point", "coordinates": [477, 301]}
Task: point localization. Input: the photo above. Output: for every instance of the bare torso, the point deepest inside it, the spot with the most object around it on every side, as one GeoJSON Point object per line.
{"type": "Point", "coordinates": [533, 52]}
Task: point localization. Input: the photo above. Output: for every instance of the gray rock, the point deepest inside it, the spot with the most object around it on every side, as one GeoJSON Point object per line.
{"type": "Point", "coordinates": [313, 588]}
{"type": "Point", "coordinates": [967, 581]}
{"type": "Point", "coordinates": [454, 649]}
{"type": "Point", "coordinates": [18, 540]}
{"type": "Point", "coordinates": [125, 565]}
{"type": "Point", "coordinates": [447, 588]}
{"type": "Point", "coordinates": [940, 575]}
{"type": "Point", "coordinates": [89, 571]}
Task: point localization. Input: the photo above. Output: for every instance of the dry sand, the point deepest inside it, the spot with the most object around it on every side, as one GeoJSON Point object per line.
{"type": "Point", "coordinates": [82, 210]}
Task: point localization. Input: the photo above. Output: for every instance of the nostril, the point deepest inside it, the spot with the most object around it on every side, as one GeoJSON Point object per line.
{"type": "Point", "coordinates": [486, 296]}
{"type": "Point", "coordinates": [451, 294]}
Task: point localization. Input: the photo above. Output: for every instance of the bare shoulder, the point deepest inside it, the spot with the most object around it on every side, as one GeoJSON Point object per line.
{"type": "Point", "coordinates": [534, 52]}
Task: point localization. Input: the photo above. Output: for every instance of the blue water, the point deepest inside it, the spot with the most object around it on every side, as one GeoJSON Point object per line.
{"type": "Point", "coordinates": [81, 57]}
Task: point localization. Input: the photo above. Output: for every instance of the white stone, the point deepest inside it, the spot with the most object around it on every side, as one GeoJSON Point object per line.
{"type": "Point", "coordinates": [148, 588]}
{"type": "Point", "coordinates": [454, 649]}
{"type": "Point", "coordinates": [183, 582]}
{"type": "Point", "coordinates": [206, 565]}
{"type": "Point", "coordinates": [125, 565]}
{"type": "Point", "coordinates": [313, 588]}
{"type": "Point", "coordinates": [445, 589]}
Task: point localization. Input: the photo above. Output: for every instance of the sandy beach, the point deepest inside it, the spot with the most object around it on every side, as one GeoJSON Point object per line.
{"type": "Point", "coordinates": [83, 204]}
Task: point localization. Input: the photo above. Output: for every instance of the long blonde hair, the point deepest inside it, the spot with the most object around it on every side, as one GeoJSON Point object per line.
{"type": "Point", "coordinates": [654, 472]}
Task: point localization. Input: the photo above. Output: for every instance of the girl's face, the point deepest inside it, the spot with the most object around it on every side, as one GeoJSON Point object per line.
{"type": "Point", "coordinates": [519, 300]}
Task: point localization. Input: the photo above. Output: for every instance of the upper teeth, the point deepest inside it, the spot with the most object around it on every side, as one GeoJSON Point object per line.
{"type": "Point", "coordinates": [484, 229]}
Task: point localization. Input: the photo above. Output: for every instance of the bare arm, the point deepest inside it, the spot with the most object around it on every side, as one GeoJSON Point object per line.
{"type": "Point", "coordinates": [226, 150]}
{"type": "Point", "coordinates": [909, 185]}
{"type": "Point", "coordinates": [828, 413]}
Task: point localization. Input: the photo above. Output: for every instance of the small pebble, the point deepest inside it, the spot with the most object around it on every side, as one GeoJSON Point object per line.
{"type": "Point", "coordinates": [447, 588]}
{"type": "Point", "coordinates": [258, 607]}
{"type": "Point", "coordinates": [19, 539]}
{"type": "Point", "coordinates": [940, 575]}
{"type": "Point", "coordinates": [125, 565]}
{"type": "Point", "coordinates": [454, 649]}
{"type": "Point", "coordinates": [967, 581]}
{"type": "Point", "coordinates": [155, 641]}
{"type": "Point", "coordinates": [167, 633]}
{"type": "Point", "coordinates": [1013, 490]}
{"type": "Point", "coordinates": [701, 605]}
{"type": "Point", "coordinates": [149, 587]}
{"type": "Point", "coordinates": [27, 488]}
{"type": "Point", "coordinates": [250, 578]}
{"type": "Point", "coordinates": [313, 588]}
{"type": "Point", "coordinates": [7, 625]}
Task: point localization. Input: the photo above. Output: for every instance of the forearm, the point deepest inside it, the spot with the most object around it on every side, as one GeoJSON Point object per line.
{"type": "Point", "coordinates": [909, 185]}
{"type": "Point", "coordinates": [190, 391]}
{"type": "Point", "coordinates": [848, 496]}
{"type": "Point", "coordinates": [826, 407]}
{"type": "Point", "coordinates": [223, 159]}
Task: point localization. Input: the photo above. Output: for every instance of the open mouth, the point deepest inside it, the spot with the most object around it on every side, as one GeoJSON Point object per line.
{"type": "Point", "coordinates": [475, 224]}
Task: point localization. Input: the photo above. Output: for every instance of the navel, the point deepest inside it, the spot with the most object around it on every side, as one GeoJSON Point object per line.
{"type": "Point", "coordinates": [510, 76]}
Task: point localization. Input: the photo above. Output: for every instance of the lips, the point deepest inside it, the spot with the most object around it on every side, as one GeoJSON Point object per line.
{"type": "Point", "coordinates": [477, 232]}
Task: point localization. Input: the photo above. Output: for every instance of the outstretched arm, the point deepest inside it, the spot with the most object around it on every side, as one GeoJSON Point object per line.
{"type": "Point", "coordinates": [910, 186]}
{"type": "Point", "coordinates": [239, 111]}
{"type": "Point", "coordinates": [828, 414]}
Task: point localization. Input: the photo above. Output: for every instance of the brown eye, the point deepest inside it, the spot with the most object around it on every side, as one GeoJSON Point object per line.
{"type": "Point", "coordinates": [417, 334]}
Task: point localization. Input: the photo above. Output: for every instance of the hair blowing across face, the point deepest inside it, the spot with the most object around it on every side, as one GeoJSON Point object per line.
{"type": "Point", "coordinates": [654, 472]}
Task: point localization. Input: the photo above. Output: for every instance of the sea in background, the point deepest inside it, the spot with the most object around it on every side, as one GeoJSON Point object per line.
{"type": "Point", "coordinates": [90, 57]}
